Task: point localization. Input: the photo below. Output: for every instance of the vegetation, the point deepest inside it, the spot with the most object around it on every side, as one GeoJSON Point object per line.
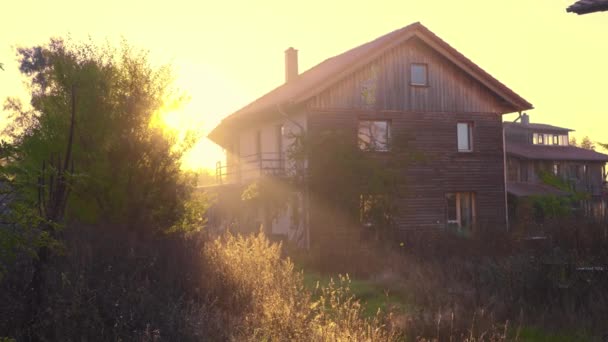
{"type": "Point", "coordinates": [126, 164]}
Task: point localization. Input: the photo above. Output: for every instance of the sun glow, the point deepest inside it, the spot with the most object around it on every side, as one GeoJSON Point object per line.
{"type": "Point", "coordinates": [210, 93]}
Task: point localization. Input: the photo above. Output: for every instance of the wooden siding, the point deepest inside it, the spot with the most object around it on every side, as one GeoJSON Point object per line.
{"type": "Point", "coordinates": [384, 84]}
{"type": "Point", "coordinates": [443, 169]}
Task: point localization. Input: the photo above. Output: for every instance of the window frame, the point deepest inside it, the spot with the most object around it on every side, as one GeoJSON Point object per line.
{"type": "Point", "coordinates": [388, 137]}
{"type": "Point", "coordinates": [458, 208]}
{"type": "Point", "coordinates": [280, 132]}
{"type": "Point", "coordinates": [470, 126]}
{"type": "Point", "coordinates": [426, 75]}
{"type": "Point", "coordinates": [541, 139]}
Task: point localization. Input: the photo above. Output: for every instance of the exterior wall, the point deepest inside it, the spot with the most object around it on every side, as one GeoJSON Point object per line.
{"type": "Point", "coordinates": [442, 169]}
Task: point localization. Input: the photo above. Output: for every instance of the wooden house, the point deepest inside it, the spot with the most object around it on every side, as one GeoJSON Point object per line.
{"type": "Point", "coordinates": [534, 149]}
{"type": "Point", "coordinates": [408, 82]}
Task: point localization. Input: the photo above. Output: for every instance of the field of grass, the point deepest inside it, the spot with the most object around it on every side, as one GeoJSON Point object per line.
{"type": "Point", "coordinates": [375, 296]}
{"type": "Point", "coordinates": [372, 295]}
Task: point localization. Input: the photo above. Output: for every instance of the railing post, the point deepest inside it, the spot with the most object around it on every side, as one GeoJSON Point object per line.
{"type": "Point", "coordinates": [260, 164]}
{"type": "Point", "coordinates": [218, 172]}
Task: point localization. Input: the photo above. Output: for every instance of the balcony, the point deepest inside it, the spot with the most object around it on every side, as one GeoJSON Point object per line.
{"type": "Point", "coordinates": [251, 167]}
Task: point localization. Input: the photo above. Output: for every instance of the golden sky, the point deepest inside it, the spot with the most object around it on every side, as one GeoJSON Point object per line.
{"type": "Point", "coordinates": [228, 53]}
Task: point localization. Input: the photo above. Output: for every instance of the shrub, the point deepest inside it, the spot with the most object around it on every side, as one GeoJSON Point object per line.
{"type": "Point", "coordinates": [274, 302]}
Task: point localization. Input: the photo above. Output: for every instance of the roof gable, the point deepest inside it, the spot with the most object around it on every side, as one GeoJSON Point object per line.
{"type": "Point", "coordinates": [383, 84]}
{"type": "Point", "coordinates": [330, 71]}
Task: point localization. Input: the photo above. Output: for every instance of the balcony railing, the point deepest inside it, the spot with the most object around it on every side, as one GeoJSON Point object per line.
{"type": "Point", "coordinates": [250, 167]}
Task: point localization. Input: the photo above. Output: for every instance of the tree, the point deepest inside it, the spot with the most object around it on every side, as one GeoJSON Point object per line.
{"type": "Point", "coordinates": [349, 181]}
{"type": "Point", "coordinates": [573, 141]}
{"type": "Point", "coordinates": [127, 164]}
{"type": "Point", "coordinates": [587, 143]}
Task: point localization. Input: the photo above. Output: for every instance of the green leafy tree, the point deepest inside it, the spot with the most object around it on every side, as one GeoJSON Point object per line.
{"type": "Point", "coordinates": [127, 164]}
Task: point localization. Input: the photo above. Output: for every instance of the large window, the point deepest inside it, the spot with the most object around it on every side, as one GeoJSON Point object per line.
{"type": "Point", "coordinates": [374, 135]}
{"type": "Point", "coordinates": [460, 209]}
{"type": "Point", "coordinates": [419, 75]}
{"type": "Point", "coordinates": [549, 139]}
{"type": "Point", "coordinates": [465, 136]}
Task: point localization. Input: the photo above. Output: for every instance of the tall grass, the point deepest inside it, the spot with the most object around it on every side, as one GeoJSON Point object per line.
{"type": "Point", "coordinates": [278, 306]}
{"type": "Point", "coordinates": [115, 286]}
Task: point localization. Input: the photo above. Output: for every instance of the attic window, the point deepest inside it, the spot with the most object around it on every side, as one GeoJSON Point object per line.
{"type": "Point", "coordinates": [419, 75]}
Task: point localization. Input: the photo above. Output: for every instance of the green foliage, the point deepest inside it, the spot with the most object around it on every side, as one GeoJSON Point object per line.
{"type": "Point", "coordinates": [551, 206]}
{"type": "Point", "coordinates": [351, 180]}
{"type": "Point", "coordinates": [126, 163]}
{"type": "Point", "coordinates": [554, 181]}
{"type": "Point", "coordinates": [193, 218]}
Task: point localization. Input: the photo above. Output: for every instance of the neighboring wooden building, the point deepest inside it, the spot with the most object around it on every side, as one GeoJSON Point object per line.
{"type": "Point", "coordinates": [408, 82]}
{"type": "Point", "coordinates": [534, 148]}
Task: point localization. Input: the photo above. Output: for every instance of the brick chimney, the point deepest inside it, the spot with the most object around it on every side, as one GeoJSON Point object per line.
{"type": "Point", "coordinates": [525, 119]}
{"type": "Point", "coordinates": [291, 64]}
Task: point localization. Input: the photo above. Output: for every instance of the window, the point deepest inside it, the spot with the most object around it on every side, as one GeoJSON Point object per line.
{"type": "Point", "coordinates": [549, 139]}
{"type": "Point", "coordinates": [460, 209]}
{"type": "Point", "coordinates": [374, 135]}
{"type": "Point", "coordinates": [418, 75]}
{"type": "Point", "coordinates": [374, 214]}
{"type": "Point", "coordinates": [556, 169]}
{"type": "Point", "coordinates": [465, 136]}
{"type": "Point", "coordinates": [279, 155]}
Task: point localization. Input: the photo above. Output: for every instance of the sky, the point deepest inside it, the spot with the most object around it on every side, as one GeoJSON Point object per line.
{"type": "Point", "coordinates": [226, 54]}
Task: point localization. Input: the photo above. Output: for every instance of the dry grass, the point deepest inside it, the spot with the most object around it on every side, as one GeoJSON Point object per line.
{"type": "Point", "coordinates": [115, 286]}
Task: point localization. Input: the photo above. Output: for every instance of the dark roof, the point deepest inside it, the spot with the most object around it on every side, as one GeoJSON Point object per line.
{"type": "Point", "coordinates": [530, 189]}
{"type": "Point", "coordinates": [588, 6]}
{"type": "Point", "coordinates": [535, 126]}
{"type": "Point", "coordinates": [548, 152]}
{"type": "Point", "coordinates": [326, 73]}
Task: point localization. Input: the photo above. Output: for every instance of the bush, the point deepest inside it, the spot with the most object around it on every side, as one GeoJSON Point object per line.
{"type": "Point", "coordinates": [274, 302]}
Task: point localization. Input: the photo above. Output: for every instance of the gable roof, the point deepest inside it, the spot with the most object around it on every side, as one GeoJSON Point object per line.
{"type": "Point", "coordinates": [588, 6]}
{"type": "Point", "coordinates": [330, 71]}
